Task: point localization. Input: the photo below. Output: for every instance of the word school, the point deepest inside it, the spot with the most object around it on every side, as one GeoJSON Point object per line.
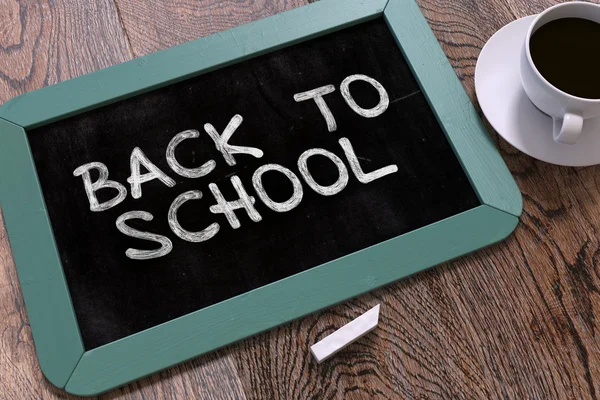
{"type": "Point", "coordinates": [245, 201]}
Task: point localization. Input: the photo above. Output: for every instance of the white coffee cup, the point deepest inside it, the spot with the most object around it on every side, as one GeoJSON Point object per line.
{"type": "Point", "coordinates": [567, 111]}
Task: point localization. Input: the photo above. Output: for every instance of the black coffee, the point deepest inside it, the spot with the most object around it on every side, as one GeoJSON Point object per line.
{"type": "Point", "coordinates": [567, 53]}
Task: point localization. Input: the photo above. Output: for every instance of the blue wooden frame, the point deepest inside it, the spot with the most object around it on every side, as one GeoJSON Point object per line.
{"type": "Point", "coordinates": [58, 342]}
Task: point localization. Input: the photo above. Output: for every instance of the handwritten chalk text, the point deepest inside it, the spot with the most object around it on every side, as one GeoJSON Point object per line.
{"type": "Point", "coordinates": [245, 201]}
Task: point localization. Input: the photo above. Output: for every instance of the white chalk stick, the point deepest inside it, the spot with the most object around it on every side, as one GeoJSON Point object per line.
{"type": "Point", "coordinates": [347, 334]}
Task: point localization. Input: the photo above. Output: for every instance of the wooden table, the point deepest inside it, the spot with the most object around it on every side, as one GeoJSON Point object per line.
{"type": "Point", "coordinates": [516, 320]}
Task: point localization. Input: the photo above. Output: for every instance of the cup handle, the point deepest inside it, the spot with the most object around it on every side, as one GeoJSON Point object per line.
{"type": "Point", "coordinates": [568, 129]}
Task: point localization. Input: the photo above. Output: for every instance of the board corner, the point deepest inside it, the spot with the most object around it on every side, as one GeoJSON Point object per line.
{"type": "Point", "coordinates": [10, 133]}
{"type": "Point", "coordinates": [506, 198]}
{"type": "Point", "coordinates": [507, 223]}
{"type": "Point", "coordinates": [7, 110]}
{"type": "Point", "coordinates": [77, 382]}
{"type": "Point", "coordinates": [58, 370]}
{"type": "Point", "coordinates": [7, 123]}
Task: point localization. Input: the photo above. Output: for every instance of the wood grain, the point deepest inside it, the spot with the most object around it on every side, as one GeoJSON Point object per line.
{"type": "Point", "coordinates": [516, 320]}
{"type": "Point", "coordinates": [153, 25]}
{"type": "Point", "coordinates": [210, 377]}
{"type": "Point", "coordinates": [44, 42]}
{"type": "Point", "coordinates": [41, 43]}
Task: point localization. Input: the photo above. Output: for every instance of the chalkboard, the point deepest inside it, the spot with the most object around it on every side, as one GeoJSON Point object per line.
{"type": "Point", "coordinates": [115, 296]}
{"type": "Point", "coordinates": [182, 199]}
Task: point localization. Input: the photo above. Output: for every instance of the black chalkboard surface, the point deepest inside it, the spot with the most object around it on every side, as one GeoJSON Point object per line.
{"type": "Point", "coordinates": [115, 296]}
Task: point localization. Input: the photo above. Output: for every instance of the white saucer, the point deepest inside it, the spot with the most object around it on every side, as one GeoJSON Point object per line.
{"type": "Point", "coordinates": [511, 113]}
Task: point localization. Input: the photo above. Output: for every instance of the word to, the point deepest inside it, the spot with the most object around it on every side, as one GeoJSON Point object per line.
{"type": "Point", "coordinates": [245, 201]}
